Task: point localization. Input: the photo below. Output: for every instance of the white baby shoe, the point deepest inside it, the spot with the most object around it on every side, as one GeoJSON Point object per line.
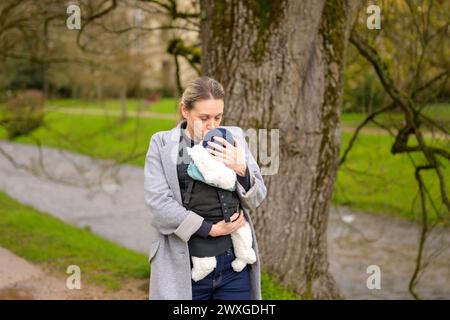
{"type": "Point", "coordinates": [202, 266]}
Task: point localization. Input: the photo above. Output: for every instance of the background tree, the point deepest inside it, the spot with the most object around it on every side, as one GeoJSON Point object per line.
{"type": "Point", "coordinates": [412, 78]}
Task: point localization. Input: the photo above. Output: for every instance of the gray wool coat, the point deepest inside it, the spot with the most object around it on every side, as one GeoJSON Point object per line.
{"type": "Point", "coordinates": [174, 225]}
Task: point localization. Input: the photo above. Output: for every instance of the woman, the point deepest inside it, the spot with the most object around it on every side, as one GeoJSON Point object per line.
{"type": "Point", "coordinates": [188, 215]}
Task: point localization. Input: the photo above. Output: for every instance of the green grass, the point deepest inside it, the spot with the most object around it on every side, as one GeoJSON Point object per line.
{"type": "Point", "coordinates": [373, 180]}
{"type": "Point", "coordinates": [270, 290]}
{"type": "Point", "coordinates": [165, 105]}
{"type": "Point", "coordinates": [438, 112]}
{"type": "Point", "coordinates": [43, 239]}
{"type": "Point", "coordinates": [100, 137]}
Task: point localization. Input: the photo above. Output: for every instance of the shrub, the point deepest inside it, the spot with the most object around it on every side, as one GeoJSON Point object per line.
{"type": "Point", "coordinates": [23, 113]}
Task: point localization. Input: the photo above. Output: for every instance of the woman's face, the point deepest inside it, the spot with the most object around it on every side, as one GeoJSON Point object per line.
{"type": "Point", "coordinates": [204, 116]}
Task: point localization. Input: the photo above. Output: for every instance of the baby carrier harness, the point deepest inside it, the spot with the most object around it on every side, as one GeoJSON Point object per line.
{"type": "Point", "coordinates": [202, 199]}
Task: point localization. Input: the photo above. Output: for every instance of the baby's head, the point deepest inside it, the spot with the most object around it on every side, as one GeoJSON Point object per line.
{"type": "Point", "coordinates": [219, 132]}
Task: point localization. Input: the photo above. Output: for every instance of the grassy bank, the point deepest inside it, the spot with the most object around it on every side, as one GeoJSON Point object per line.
{"type": "Point", "coordinates": [98, 136]}
{"type": "Point", "coordinates": [438, 112]}
{"type": "Point", "coordinates": [43, 239]}
{"type": "Point", "coordinates": [165, 105]}
{"type": "Point", "coordinates": [375, 181]}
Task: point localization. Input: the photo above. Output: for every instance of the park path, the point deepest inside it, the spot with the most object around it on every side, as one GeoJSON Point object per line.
{"type": "Point", "coordinates": [113, 207]}
{"type": "Point", "coordinates": [21, 280]}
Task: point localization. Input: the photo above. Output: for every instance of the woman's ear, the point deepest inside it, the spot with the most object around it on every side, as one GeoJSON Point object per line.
{"type": "Point", "coordinates": [183, 110]}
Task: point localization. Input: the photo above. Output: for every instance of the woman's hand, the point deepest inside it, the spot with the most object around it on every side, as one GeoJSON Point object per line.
{"type": "Point", "coordinates": [232, 155]}
{"type": "Point", "coordinates": [223, 228]}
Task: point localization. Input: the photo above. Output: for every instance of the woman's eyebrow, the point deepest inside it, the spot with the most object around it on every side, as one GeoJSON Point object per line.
{"type": "Point", "coordinates": [207, 115]}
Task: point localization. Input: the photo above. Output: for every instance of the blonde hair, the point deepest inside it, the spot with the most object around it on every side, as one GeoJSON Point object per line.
{"type": "Point", "coordinates": [202, 88]}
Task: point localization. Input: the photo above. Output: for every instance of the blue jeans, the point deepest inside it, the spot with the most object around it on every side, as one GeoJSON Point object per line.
{"type": "Point", "coordinates": [223, 283]}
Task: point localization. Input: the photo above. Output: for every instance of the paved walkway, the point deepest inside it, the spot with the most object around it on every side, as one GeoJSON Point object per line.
{"type": "Point", "coordinates": [113, 206]}
{"type": "Point", "coordinates": [21, 280]}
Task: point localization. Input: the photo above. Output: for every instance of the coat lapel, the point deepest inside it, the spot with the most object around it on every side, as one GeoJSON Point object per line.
{"type": "Point", "coordinates": [169, 157]}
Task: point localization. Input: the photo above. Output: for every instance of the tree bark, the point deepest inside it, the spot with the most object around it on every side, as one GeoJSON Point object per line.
{"type": "Point", "coordinates": [281, 65]}
{"type": "Point", "coordinates": [123, 103]}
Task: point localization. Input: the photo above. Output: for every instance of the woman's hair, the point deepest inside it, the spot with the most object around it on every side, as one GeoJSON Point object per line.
{"type": "Point", "coordinates": [202, 88]}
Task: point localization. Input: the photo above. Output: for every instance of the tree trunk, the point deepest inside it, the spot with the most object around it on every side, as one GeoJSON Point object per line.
{"type": "Point", "coordinates": [123, 103]}
{"type": "Point", "coordinates": [281, 64]}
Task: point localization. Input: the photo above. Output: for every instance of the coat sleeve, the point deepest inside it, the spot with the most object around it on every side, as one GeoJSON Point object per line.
{"type": "Point", "coordinates": [254, 196]}
{"type": "Point", "coordinates": [167, 215]}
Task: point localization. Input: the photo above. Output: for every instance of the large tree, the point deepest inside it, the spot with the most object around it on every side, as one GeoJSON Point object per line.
{"type": "Point", "coordinates": [281, 63]}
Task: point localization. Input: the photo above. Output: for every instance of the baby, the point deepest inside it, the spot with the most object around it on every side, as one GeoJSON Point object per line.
{"type": "Point", "coordinates": [205, 168]}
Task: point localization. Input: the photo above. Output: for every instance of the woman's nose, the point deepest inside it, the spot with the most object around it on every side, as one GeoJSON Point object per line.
{"type": "Point", "coordinates": [211, 125]}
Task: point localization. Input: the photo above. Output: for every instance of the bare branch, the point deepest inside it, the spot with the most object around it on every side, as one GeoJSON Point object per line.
{"type": "Point", "coordinates": [369, 118]}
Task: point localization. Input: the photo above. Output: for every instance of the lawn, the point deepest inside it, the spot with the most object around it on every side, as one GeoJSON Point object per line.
{"type": "Point", "coordinates": [43, 239]}
{"type": "Point", "coordinates": [98, 136]}
{"type": "Point", "coordinates": [438, 112]}
{"type": "Point", "coordinates": [165, 105]}
{"type": "Point", "coordinates": [373, 180]}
